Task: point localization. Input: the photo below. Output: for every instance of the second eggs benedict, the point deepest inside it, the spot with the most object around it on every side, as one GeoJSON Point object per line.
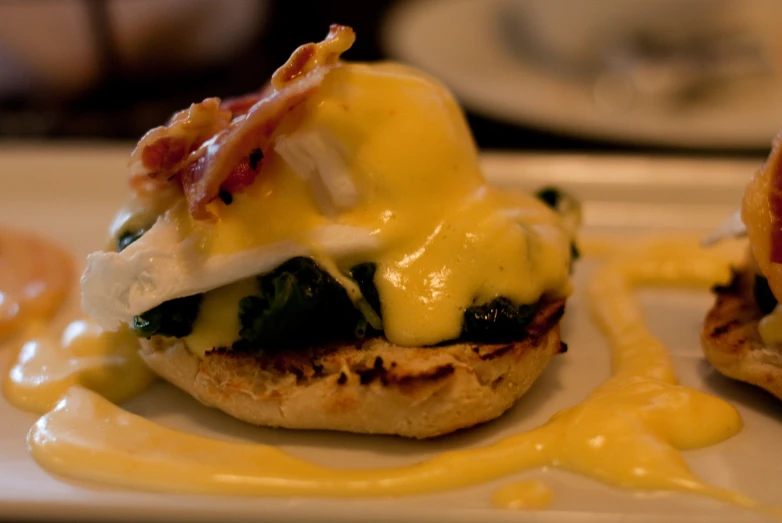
{"type": "Point", "coordinates": [327, 254]}
{"type": "Point", "coordinates": [742, 333]}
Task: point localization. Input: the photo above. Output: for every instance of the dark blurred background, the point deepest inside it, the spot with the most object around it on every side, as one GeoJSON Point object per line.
{"type": "Point", "coordinates": [125, 87]}
{"type": "Point", "coordinates": [123, 102]}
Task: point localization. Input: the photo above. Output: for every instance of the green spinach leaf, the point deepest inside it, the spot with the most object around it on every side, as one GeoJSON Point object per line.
{"type": "Point", "coordinates": [171, 318]}
{"type": "Point", "coordinates": [299, 304]}
{"type": "Point", "coordinates": [497, 321]}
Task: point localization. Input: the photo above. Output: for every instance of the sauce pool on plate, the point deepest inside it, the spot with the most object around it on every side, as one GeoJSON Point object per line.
{"type": "Point", "coordinates": [85, 355]}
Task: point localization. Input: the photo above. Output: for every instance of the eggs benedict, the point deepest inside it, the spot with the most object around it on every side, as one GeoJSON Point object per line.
{"type": "Point", "coordinates": [742, 333]}
{"type": "Point", "coordinates": [326, 254]}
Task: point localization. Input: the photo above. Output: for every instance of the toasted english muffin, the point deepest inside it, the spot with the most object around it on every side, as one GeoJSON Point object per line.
{"type": "Point", "coordinates": [369, 386]}
{"type": "Point", "coordinates": [731, 340]}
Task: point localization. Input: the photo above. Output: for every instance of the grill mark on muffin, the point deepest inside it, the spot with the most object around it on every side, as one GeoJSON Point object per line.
{"type": "Point", "coordinates": [355, 358]}
{"type": "Point", "coordinates": [723, 328]}
{"type": "Point", "coordinates": [732, 321]}
{"type": "Point", "coordinates": [730, 336]}
{"type": "Point", "coordinates": [435, 374]}
{"type": "Point", "coordinates": [494, 351]}
{"type": "Point", "coordinates": [388, 377]}
{"type": "Point", "coordinates": [377, 371]}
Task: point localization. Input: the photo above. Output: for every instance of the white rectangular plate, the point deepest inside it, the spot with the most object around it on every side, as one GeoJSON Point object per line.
{"type": "Point", "coordinates": [69, 193]}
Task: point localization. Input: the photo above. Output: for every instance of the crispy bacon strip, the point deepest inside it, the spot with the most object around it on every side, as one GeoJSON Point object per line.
{"type": "Point", "coordinates": [241, 104]}
{"type": "Point", "coordinates": [310, 57]}
{"type": "Point", "coordinates": [204, 150]}
{"type": "Point", "coordinates": [164, 150]}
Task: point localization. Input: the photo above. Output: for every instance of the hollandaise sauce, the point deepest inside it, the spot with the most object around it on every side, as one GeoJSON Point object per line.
{"type": "Point", "coordinates": [35, 277]}
{"type": "Point", "coordinates": [86, 355]}
{"type": "Point", "coordinates": [629, 432]}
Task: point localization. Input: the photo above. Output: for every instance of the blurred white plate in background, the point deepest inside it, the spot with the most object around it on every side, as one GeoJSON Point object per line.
{"type": "Point", "coordinates": [466, 43]}
{"type": "Point", "coordinates": [50, 47]}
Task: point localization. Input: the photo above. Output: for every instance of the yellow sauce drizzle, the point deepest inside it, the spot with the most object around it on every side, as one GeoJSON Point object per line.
{"type": "Point", "coordinates": [627, 433]}
{"type": "Point", "coordinates": [633, 425]}
{"type": "Point", "coordinates": [86, 355]}
{"type": "Point", "coordinates": [530, 494]}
